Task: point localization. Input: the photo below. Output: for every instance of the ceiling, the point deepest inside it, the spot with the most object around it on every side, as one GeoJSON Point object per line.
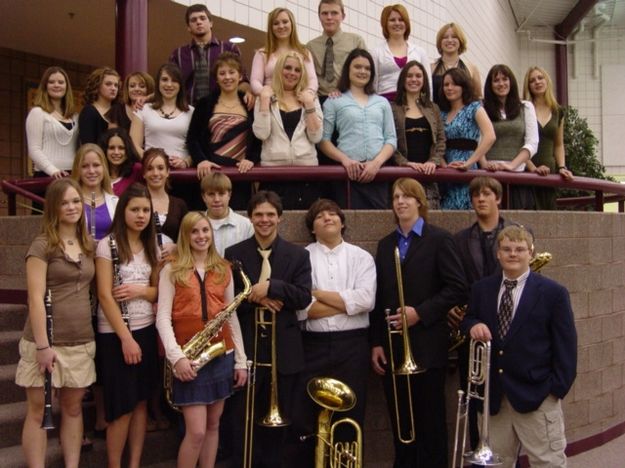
{"type": "Point", "coordinates": [83, 31]}
{"type": "Point", "coordinates": [531, 14]}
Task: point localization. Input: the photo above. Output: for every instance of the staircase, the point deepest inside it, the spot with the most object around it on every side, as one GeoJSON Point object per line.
{"type": "Point", "coordinates": [160, 447]}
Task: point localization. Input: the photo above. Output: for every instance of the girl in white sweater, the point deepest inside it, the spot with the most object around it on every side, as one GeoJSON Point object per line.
{"type": "Point", "coordinates": [52, 125]}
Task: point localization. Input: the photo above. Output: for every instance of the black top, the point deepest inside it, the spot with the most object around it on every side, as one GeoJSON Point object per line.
{"type": "Point", "coordinates": [91, 125]}
{"type": "Point", "coordinates": [290, 121]}
{"type": "Point", "coordinates": [418, 139]}
{"type": "Point", "coordinates": [437, 78]}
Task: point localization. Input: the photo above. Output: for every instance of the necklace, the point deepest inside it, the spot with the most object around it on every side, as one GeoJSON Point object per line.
{"type": "Point", "coordinates": [69, 241]}
{"type": "Point", "coordinates": [167, 115]}
{"type": "Point", "coordinates": [447, 66]}
{"type": "Point", "coordinates": [232, 106]}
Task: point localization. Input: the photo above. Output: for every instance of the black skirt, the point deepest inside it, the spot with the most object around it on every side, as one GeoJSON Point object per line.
{"type": "Point", "coordinates": [127, 385]}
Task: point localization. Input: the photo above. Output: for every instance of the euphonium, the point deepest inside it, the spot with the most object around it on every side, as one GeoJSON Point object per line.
{"type": "Point", "coordinates": [333, 395]}
{"type": "Point", "coordinates": [199, 349]}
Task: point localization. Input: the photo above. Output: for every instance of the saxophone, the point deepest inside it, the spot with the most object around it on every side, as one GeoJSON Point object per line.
{"type": "Point", "coordinates": [199, 348]}
{"type": "Point", "coordinates": [456, 338]}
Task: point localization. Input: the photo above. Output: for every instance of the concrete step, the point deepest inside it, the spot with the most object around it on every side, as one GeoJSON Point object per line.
{"type": "Point", "coordinates": [9, 392]}
{"type": "Point", "coordinates": [9, 349]}
{"type": "Point", "coordinates": [160, 449]}
{"type": "Point", "coordinates": [12, 317]}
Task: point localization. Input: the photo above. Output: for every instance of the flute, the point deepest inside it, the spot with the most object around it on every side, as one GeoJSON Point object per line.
{"type": "Point", "coordinates": [92, 215]}
{"type": "Point", "coordinates": [117, 278]}
{"type": "Point", "coordinates": [47, 422]}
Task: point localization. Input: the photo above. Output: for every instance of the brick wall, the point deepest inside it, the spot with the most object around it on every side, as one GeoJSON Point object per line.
{"type": "Point", "coordinates": [20, 71]}
{"type": "Point", "coordinates": [588, 258]}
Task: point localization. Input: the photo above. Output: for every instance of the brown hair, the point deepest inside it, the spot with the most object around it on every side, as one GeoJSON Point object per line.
{"type": "Point", "coordinates": [197, 8]}
{"type": "Point", "coordinates": [50, 221]}
{"type": "Point", "coordinates": [92, 89]}
{"type": "Point", "coordinates": [42, 98]}
{"type": "Point", "coordinates": [481, 182]}
{"type": "Point", "coordinates": [323, 204]}
{"type": "Point", "coordinates": [331, 2]}
{"type": "Point", "coordinates": [176, 75]}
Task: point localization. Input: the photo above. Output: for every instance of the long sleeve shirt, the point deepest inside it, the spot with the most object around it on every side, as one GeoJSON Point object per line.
{"type": "Point", "coordinates": [350, 271]}
{"type": "Point", "coordinates": [51, 146]}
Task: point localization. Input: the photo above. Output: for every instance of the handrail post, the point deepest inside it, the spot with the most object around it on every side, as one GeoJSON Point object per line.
{"type": "Point", "coordinates": [12, 203]}
{"type": "Point", "coordinates": [599, 200]}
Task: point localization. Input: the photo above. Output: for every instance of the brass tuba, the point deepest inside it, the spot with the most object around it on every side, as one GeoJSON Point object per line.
{"type": "Point", "coordinates": [199, 349]}
{"type": "Point", "coordinates": [333, 395]}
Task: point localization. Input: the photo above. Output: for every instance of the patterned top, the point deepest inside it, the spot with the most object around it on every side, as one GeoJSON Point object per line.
{"type": "Point", "coordinates": [462, 126]}
{"type": "Point", "coordinates": [223, 135]}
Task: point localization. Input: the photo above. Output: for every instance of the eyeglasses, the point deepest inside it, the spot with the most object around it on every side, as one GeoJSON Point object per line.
{"type": "Point", "coordinates": [516, 250]}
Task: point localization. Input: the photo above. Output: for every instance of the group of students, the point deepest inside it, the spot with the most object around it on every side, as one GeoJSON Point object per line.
{"type": "Point", "coordinates": [331, 101]}
{"type": "Point", "coordinates": [332, 303]}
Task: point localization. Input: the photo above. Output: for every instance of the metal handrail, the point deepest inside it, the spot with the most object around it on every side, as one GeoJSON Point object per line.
{"type": "Point", "coordinates": [604, 190]}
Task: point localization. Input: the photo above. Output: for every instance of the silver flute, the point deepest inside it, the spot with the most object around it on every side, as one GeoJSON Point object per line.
{"type": "Point", "coordinates": [92, 215]}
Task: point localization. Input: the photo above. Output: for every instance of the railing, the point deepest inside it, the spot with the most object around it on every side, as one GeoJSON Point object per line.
{"type": "Point", "coordinates": [604, 191]}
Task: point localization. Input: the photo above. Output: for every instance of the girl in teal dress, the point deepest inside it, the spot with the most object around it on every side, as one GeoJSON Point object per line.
{"type": "Point", "coordinates": [468, 131]}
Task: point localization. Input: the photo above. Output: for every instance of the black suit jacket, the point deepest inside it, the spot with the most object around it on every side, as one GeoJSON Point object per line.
{"type": "Point", "coordinates": [290, 282]}
{"type": "Point", "coordinates": [538, 356]}
{"type": "Point", "coordinates": [433, 282]}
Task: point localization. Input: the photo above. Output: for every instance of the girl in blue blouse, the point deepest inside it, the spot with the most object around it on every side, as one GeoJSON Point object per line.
{"type": "Point", "coordinates": [366, 132]}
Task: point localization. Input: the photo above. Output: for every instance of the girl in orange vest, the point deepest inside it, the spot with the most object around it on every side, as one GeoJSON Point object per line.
{"type": "Point", "coordinates": [193, 289]}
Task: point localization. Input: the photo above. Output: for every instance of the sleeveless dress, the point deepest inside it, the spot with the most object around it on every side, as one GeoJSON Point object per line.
{"type": "Point", "coordinates": [463, 126]}
{"type": "Point", "coordinates": [545, 197]}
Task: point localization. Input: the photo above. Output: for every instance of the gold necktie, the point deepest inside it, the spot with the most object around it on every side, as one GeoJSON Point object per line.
{"type": "Point", "coordinates": [265, 268]}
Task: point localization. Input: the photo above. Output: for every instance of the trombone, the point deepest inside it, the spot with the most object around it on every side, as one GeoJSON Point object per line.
{"type": "Point", "coordinates": [409, 366]}
{"type": "Point", "coordinates": [273, 418]}
{"type": "Point", "coordinates": [479, 374]}
{"type": "Point", "coordinates": [333, 395]}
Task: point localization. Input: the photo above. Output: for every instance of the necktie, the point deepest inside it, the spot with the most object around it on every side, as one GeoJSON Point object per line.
{"type": "Point", "coordinates": [504, 317]}
{"type": "Point", "coordinates": [201, 77]}
{"type": "Point", "coordinates": [328, 61]}
{"type": "Point", "coordinates": [265, 268]}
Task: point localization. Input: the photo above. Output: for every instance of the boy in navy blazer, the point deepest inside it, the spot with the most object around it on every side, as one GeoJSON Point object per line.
{"type": "Point", "coordinates": [529, 321]}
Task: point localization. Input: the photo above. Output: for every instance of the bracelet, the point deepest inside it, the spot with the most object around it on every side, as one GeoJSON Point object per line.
{"type": "Point", "coordinates": [41, 349]}
{"type": "Point", "coordinates": [562, 167]}
{"type": "Point", "coordinates": [310, 111]}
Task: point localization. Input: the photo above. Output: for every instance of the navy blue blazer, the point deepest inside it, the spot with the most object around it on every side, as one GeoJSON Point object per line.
{"type": "Point", "coordinates": [290, 282]}
{"type": "Point", "coordinates": [538, 356]}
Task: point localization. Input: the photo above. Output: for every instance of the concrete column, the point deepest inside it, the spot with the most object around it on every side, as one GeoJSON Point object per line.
{"type": "Point", "coordinates": [131, 36]}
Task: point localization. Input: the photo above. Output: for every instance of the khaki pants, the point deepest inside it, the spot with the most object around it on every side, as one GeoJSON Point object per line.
{"type": "Point", "coordinates": [540, 433]}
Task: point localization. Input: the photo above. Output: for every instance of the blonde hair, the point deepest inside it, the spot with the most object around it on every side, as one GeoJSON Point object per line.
{"type": "Point", "coordinates": [50, 221]}
{"type": "Point", "coordinates": [183, 261]}
{"type": "Point", "coordinates": [386, 13]}
{"type": "Point", "coordinates": [278, 84]}
{"type": "Point", "coordinates": [42, 98]}
{"type": "Point", "coordinates": [550, 98]}
{"type": "Point", "coordinates": [462, 38]}
{"type": "Point", "coordinates": [414, 189]}
{"type": "Point", "coordinates": [271, 44]}
{"type": "Point", "coordinates": [516, 233]}
{"type": "Point", "coordinates": [80, 156]}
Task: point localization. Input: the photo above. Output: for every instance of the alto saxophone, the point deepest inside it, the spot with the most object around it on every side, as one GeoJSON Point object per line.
{"type": "Point", "coordinates": [199, 349]}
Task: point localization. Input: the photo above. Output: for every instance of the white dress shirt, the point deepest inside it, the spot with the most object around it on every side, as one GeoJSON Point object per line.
{"type": "Point", "coordinates": [350, 271]}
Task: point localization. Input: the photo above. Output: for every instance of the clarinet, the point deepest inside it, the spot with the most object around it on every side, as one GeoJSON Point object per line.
{"type": "Point", "coordinates": [92, 215]}
{"type": "Point", "coordinates": [47, 422]}
{"type": "Point", "coordinates": [117, 278]}
{"type": "Point", "coordinates": [159, 230]}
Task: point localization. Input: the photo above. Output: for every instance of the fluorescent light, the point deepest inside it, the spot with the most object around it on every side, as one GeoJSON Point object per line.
{"type": "Point", "coordinates": [236, 40]}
